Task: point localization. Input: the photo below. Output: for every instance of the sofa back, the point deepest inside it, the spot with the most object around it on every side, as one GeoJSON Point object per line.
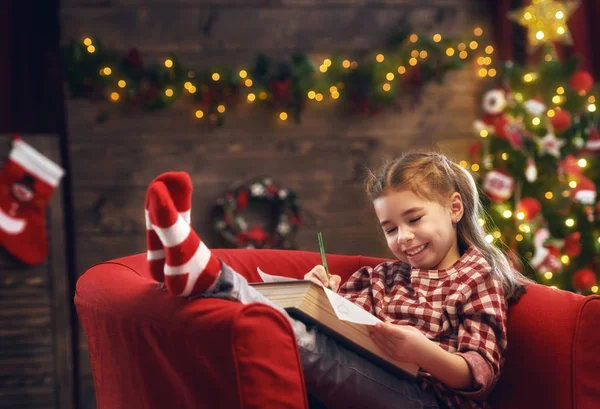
{"type": "Point", "coordinates": [144, 342]}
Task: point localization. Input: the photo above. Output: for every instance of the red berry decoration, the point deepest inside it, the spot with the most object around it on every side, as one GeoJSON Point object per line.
{"type": "Point", "coordinates": [572, 246]}
{"type": "Point", "coordinates": [530, 207]}
{"type": "Point", "coordinates": [555, 251]}
{"type": "Point", "coordinates": [584, 279]}
{"type": "Point", "coordinates": [582, 81]}
{"type": "Point", "coordinates": [561, 121]}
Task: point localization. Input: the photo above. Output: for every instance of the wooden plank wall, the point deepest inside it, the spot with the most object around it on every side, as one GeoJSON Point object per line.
{"type": "Point", "coordinates": [35, 327]}
{"type": "Point", "coordinates": [115, 154]}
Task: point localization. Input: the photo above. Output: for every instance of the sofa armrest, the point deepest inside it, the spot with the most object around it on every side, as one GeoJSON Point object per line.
{"type": "Point", "coordinates": [265, 352]}
{"type": "Point", "coordinates": [151, 350]}
{"type": "Point", "coordinates": [586, 361]}
{"type": "Point", "coordinates": [551, 359]}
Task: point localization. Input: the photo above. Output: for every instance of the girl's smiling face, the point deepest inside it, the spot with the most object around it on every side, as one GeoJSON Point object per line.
{"type": "Point", "coordinates": [418, 231]}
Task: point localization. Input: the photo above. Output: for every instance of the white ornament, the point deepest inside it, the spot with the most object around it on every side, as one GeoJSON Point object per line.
{"type": "Point", "coordinates": [241, 223]}
{"type": "Point", "coordinates": [283, 228]}
{"type": "Point", "coordinates": [498, 186]}
{"type": "Point", "coordinates": [257, 189]}
{"type": "Point", "coordinates": [586, 197]}
{"type": "Point", "coordinates": [585, 192]}
{"type": "Point", "coordinates": [534, 107]}
{"type": "Point", "coordinates": [531, 172]}
{"type": "Point", "coordinates": [550, 144]}
{"type": "Point", "coordinates": [593, 142]}
{"type": "Point", "coordinates": [494, 101]}
{"type": "Point", "coordinates": [541, 252]}
{"type": "Point", "coordinates": [543, 260]}
{"type": "Point", "coordinates": [282, 193]}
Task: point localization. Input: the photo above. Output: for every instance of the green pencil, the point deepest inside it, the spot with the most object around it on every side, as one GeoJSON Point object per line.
{"type": "Point", "coordinates": [323, 258]}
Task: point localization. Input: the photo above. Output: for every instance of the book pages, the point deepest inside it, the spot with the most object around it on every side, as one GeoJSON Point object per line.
{"type": "Point", "coordinates": [348, 311]}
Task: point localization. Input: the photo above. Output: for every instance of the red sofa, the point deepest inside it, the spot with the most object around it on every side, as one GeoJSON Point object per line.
{"type": "Point", "coordinates": [151, 350]}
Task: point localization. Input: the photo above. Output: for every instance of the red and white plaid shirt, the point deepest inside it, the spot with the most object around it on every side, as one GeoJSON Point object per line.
{"type": "Point", "coordinates": [461, 308]}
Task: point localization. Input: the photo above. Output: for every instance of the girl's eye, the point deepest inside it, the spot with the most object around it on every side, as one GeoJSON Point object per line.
{"type": "Point", "coordinates": [390, 231]}
{"type": "Point", "coordinates": [415, 219]}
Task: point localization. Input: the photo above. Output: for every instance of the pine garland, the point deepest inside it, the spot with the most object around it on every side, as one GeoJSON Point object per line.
{"type": "Point", "coordinates": [363, 85]}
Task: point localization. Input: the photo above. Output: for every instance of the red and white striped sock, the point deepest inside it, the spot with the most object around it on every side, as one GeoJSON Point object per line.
{"type": "Point", "coordinates": [190, 267]}
{"type": "Point", "coordinates": [180, 189]}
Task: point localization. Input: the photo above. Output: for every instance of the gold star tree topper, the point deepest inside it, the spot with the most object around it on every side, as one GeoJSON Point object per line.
{"type": "Point", "coordinates": [546, 21]}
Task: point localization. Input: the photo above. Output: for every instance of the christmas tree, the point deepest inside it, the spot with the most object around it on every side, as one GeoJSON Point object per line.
{"type": "Point", "coordinates": [538, 158]}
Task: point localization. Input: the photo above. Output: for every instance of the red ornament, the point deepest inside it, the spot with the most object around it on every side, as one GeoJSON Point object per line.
{"type": "Point", "coordinates": [584, 279]}
{"type": "Point", "coordinates": [242, 199]}
{"type": "Point", "coordinates": [497, 121]}
{"type": "Point", "coordinates": [281, 90]}
{"type": "Point", "coordinates": [570, 166]}
{"type": "Point", "coordinates": [256, 234]}
{"type": "Point", "coordinates": [582, 81]}
{"type": "Point", "coordinates": [134, 59]}
{"type": "Point", "coordinates": [585, 191]}
{"type": "Point", "coordinates": [475, 152]}
{"type": "Point", "coordinates": [561, 121]}
{"type": "Point", "coordinates": [555, 251]}
{"type": "Point", "coordinates": [530, 207]}
{"type": "Point", "coordinates": [296, 220]}
{"type": "Point", "coordinates": [498, 185]}
{"type": "Point", "coordinates": [572, 246]}
{"type": "Point", "coordinates": [272, 190]}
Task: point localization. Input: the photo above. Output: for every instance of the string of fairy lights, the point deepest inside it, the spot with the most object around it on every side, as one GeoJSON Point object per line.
{"type": "Point", "coordinates": [462, 50]}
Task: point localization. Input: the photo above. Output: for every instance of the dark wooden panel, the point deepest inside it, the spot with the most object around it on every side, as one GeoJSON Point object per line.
{"type": "Point", "coordinates": [9, 262]}
{"type": "Point", "coordinates": [96, 249]}
{"type": "Point", "coordinates": [138, 164]}
{"type": "Point", "coordinates": [17, 286]}
{"type": "Point", "coordinates": [31, 349]}
{"type": "Point", "coordinates": [171, 29]}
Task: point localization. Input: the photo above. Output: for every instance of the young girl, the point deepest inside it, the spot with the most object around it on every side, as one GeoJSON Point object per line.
{"type": "Point", "coordinates": [443, 302]}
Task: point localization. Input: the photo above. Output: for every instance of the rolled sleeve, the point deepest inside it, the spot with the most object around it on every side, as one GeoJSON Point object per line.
{"type": "Point", "coordinates": [482, 375]}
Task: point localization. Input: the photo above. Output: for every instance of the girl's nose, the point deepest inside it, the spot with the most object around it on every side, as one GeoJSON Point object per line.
{"type": "Point", "coordinates": [404, 236]}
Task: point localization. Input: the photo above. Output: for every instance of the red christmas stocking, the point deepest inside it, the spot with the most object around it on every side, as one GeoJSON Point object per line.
{"type": "Point", "coordinates": [27, 181]}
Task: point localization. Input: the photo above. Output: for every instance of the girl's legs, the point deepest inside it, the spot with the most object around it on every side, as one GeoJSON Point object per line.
{"type": "Point", "coordinates": [333, 374]}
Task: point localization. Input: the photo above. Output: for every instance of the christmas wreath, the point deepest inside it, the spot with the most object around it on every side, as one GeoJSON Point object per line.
{"type": "Point", "coordinates": [274, 212]}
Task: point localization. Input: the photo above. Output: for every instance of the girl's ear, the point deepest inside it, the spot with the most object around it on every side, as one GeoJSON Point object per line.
{"type": "Point", "coordinates": [456, 207]}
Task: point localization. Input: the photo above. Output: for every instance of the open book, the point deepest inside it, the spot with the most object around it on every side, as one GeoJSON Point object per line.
{"type": "Point", "coordinates": [334, 315]}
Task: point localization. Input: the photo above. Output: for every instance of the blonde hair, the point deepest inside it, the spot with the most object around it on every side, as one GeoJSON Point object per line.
{"type": "Point", "coordinates": [432, 176]}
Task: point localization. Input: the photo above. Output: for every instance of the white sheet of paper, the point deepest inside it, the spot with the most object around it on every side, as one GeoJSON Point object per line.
{"type": "Point", "coordinates": [348, 311]}
{"type": "Point", "coordinates": [268, 278]}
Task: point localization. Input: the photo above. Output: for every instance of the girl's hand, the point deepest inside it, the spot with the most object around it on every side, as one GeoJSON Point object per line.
{"type": "Point", "coordinates": [319, 276]}
{"type": "Point", "coordinates": [401, 342]}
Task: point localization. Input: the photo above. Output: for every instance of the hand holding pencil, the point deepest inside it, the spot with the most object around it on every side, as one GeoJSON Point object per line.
{"type": "Point", "coordinates": [320, 273]}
